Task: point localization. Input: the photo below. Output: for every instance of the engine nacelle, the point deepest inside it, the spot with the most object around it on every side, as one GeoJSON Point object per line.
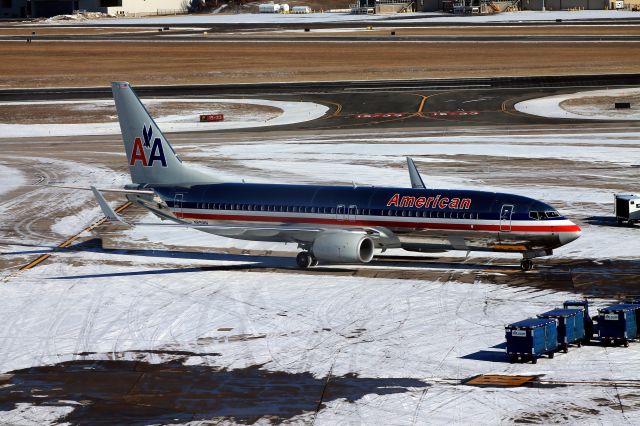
{"type": "Point", "coordinates": [343, 247]}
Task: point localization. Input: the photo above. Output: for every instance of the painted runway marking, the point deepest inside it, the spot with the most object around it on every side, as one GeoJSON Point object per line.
{"type": "Point", "coordinates": [382, 115]}
{"type": "Point", "coordinates": [66, 243]}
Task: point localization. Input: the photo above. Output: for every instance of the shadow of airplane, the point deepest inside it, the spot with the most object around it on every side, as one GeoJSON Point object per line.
{"type": "Point", "coordinates": [253, 261]}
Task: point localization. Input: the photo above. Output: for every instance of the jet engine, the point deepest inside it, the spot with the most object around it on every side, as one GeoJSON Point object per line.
{"type": "Point", "coordinates": [343, 247]}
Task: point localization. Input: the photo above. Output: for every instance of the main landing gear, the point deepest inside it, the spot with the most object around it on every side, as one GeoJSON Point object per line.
{"type": "Point", "coordinates": [526, 264]}
{"type": "Point", "coordinates": [305, 260]}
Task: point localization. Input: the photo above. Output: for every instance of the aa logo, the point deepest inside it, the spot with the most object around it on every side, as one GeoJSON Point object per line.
{"type": "Point", "coordinates": [155, 151]}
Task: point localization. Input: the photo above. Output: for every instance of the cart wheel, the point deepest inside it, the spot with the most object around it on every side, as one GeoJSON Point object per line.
{"type": "Point", "coordinates": [534, 360]}
{"type": "Point", "coordinates": [551, 355]}
{"type": "Point", "coordinates": [579, 343]}
{"type": "Point", "coordinates": [511, 360]}
{"type": "Point", "coordinates": [565, 349]}
{"type": "Point", "coordinates": [626, 344]}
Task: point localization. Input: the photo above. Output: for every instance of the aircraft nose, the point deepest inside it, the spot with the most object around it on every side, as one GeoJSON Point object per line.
{"type": "Point", "coordinates": [567, 237]}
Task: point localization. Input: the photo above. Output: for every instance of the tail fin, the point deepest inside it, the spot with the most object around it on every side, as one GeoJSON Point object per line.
{"type": "Point", "coordinates": [151, 158]}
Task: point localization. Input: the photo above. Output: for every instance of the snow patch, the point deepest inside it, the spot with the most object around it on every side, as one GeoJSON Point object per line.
{"type": "Point", "coordinates": [184, 121]}
{"type": "Point", "coordinates": [11, 179]}
{"type": "Point", "coordinates": [271, 18]}
{"type": "Point", "coordinates": [551, 107]}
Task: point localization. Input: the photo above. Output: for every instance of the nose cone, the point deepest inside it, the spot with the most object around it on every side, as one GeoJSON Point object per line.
{"type": "Point", "coordinates": [570, 235]}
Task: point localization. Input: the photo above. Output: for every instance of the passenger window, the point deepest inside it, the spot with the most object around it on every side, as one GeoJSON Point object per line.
{"type": "Point", "coordinates": [333, 210]}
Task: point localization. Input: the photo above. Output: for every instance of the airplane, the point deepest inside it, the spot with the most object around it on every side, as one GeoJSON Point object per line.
{"type": "Point", "coordinates": [330, 224]}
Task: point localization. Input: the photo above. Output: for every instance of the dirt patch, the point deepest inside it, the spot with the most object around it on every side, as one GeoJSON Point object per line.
{"type": "Point", "coordinates": [60, 64]}
{"type": "Point", "coordinates": [100, 113]}
{"type": "Point", "coordinates": [590, 105]}
{"type": "Point", "coordinates": [39, 30]}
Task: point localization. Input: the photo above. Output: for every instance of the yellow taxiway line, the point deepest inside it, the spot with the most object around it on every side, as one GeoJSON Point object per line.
{"type": "Point", "coordinates": [69, 240]}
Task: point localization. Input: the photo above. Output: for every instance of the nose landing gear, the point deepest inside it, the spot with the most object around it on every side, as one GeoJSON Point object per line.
{"type": "Point", "coordinates": [526, 264]}
{"type": "Point", "coordinates": [305, 260]}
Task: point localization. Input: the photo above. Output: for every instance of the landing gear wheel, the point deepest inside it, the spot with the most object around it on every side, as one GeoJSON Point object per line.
{"type": "Point", "coordinates": [534, 360]}
{"type": "Point", "coordinates": [314, 262]}
{"type": "Point", "coordinates": [304, 259]}
{"type": "Point", "coordinates": [526, 264]}
{"type": "Point", "coordinates": [551, 355]}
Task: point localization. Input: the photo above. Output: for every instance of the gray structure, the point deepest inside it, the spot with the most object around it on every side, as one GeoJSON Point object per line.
{"type": "Point", "coordinates": [48, 8]}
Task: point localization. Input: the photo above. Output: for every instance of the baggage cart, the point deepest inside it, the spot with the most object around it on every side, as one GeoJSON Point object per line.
{"type": "Point", "coordinates": [588, 322]}
{"type": "Point", "coordinates": [618, 324]}
{"type": "Point", "coordinates": [570, 326]}
{"type": "Point", "coordinates": [529, 339]}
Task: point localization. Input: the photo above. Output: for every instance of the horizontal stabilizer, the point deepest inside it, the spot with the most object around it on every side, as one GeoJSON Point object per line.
{"type": "Point", "coordinates": [106, 208]}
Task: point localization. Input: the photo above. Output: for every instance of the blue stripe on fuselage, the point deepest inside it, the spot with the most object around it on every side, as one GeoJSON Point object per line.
{"type": "Point", "coordinates": [486, 205]}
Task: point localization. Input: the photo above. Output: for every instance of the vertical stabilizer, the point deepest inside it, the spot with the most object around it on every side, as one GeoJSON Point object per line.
{"type": "Point", "coordinates": [151, 158]}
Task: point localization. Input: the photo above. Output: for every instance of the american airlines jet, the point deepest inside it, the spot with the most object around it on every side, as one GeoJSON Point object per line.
{"type": "Point", "coordinates": [330, 224]}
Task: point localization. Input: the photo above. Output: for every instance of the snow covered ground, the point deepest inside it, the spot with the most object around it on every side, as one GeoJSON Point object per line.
{"type": "Point", "coordinates": [390, 351]}
{"type": "Point", "coordinates": [181, 121]}
{"type": "Point", "coordinates": [524, 16]}
{"type": "Point", "coordinates": [436, 332]}
{"type": "Point", "coordinates": [589, 105]}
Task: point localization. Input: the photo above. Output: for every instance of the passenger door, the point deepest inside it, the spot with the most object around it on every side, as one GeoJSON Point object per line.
{"type": "Point", "coordinates": [177, 204]}
{"type": "Point", "coordinates": [505, 218]}
{"type": "Point", "coordinates": [341, 212]}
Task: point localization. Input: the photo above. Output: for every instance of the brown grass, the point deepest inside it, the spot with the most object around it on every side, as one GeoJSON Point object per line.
{"type": "Point", "coordinates": [91, 113]}
{"type": "Point", "coordinates": [59, 64]}
{"type": "Point", "coordinates": [40, 30]}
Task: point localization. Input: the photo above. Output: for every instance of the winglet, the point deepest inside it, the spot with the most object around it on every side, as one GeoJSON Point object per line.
{"type": "Point", "coordinates": [106, 209]}
{"type": "Point", "coordinates": [414, 175]}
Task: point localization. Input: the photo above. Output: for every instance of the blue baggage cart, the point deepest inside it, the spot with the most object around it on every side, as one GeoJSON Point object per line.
{"type": "Point", "coordinates": [570, 326]}
{"type": "Point", "coordinates": [618, 324]}
{"type": "Point", "coordinates": [588, 322]}
{"type": "Point", "coordinates": [531, 338]}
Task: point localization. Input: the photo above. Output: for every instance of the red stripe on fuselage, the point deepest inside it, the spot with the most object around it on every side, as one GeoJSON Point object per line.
{"type": "Point", "coordinates": [392, 224]}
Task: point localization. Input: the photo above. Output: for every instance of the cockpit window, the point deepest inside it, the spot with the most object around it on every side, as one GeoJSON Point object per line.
{"type": "Point", "coordinates": [543, 215]}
